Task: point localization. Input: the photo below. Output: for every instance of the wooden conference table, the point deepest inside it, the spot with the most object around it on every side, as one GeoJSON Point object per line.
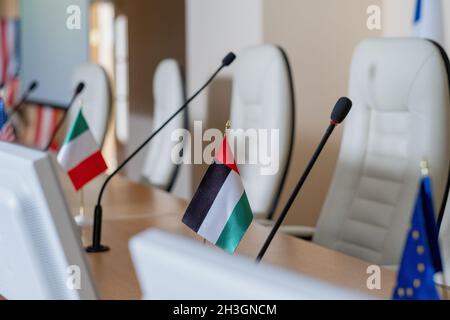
{"type": "Point", "coordinates": [130, 208]}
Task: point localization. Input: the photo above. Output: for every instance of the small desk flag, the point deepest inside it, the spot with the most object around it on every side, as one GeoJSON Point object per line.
{"type": "Point", "coordinates": [3, 114]}
{"type": "Point", "coordinates": [6, 129]}
{"type": "Point", "coordinates": [47, 119]}
{"type": "Point", "coordinates": [421, 256]}
{"type": "Point", "coordinates": [80, 155]}
{"type": "Point", "coordinates": [220, 211]}
{"type": "Point", "coordinates": [429, 20]}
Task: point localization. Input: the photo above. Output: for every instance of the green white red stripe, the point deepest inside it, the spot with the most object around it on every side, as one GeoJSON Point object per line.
{"type": "Point", "coordinates": [80, 155]}
{"type": "Point", "coordinates": [220, 211]}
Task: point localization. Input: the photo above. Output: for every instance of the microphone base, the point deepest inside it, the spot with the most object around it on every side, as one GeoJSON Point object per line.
{"type": "Point", "coordinates": [97, 249]}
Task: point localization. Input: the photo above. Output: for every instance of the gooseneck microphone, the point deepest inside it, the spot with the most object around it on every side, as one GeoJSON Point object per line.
{"type": "Point", "coordinates": [78, 90]}
{"type": "Point", "coordinates": [98, 213]}
{"type": "Point", "coordinates": [338, 115]}
{"type": "Point", "coordinates": [33, 86]}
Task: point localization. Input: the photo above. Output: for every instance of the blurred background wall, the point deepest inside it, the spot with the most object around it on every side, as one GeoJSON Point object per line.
{"type": "Point", "coordinates": [156, 31]}
{"type": "Point", "coordinates": [213, 28]}
{"type": "Point", "coordinates": [9, 8]}
{"type": "Point", "coordinates": [319, 37]}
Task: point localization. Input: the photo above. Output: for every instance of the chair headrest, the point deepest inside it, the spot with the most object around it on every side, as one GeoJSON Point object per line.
{"type": "Point", "coordinates": [384, 71]}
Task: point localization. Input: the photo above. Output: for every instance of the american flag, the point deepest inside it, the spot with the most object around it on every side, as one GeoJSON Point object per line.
{"type": "Point", "coordinates": [10, 58]}
{"type": "Point", "coordinates": [46, 121]}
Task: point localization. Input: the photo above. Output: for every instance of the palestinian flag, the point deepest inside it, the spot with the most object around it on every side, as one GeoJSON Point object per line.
{"type": "Point", "coordinates": [220, 211]}
{"type": "Point", "coordinates": [80, 155]}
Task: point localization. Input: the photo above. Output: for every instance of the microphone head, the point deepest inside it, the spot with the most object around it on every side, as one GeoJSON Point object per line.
{"type": "Point", "coordinates": [229, 58]}
{"type": "Point", "coordinates": [79, 88]}
{"type": "Point", "coordinates": [33, 86]}
{"type": "Point", "coordinates": [341, 110]}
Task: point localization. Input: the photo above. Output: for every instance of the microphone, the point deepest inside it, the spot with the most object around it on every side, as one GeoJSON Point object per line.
{"type": "Point", "coordinates": [98, 213]}
{"type": "Point", "coordinates": [228, 59]}
{"type": "Point", "coordinates": [33, 86]}
{"type": "Point", "coordinates": [78, 90]}
{"type": "Point", "coordinates": [340, 111]}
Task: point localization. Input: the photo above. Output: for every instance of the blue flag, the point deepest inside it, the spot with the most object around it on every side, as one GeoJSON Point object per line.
{"type": "Point", "coordinates": [3, 115]}
{"type": "Point", "coordinates": [429, 20]}
{"type": "Point", "coordinates": [421, 256]}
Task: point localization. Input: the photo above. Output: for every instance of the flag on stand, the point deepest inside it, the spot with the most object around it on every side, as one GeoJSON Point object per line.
{"type": "Point", "coordinates": [46, 122]}
{"type": "Point", "coordinates": [421, 256]}
{"type": "Point", "coordinates": [12, 92]}
{"type": "Point", "coordinates": [220, 211]}
{"type": "Point", "coordinates": [13, 40]}
{"type": "Point", "coordinates": [3, 114]}
{"type": "Point", "coordinates": [6, 130]}
{"type": "Point", "coordinates": [428, 20]}
{"type": "Point", "coordinates": [80, 155]}
{"type": "Point", "coordinates": [9, 49]}
{"type": "Point", "coordinates": [4, 51]}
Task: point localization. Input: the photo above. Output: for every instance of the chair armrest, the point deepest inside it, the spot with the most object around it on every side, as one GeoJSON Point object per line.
{"type": "Point", "coordinates": [303, 232]}
{"type": "Point", "coordinates": [393, 267]}
{"type": "Point", "coordinates": [264, 222]}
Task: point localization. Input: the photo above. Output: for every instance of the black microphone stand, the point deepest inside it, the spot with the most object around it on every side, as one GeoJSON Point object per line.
{"type": "Point", "coordinates": [19, 105]}
{"type": "Point", "coordinates": [339, 113]}
{"type": "Point", "coordinates": [294, 194]}
{"type": "Point", "coordinates": [98, 212]}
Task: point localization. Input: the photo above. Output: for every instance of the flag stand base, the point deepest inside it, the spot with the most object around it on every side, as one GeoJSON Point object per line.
{"type": "Point", "coordinates": [96, 249]}
{"type": "Point", "coordinates": [83, 221]}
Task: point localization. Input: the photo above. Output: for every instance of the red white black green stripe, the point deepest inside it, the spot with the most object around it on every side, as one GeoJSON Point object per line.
{"type": "Point", "coordinates": [220, 211]}
{"type": "Point", "coordinates": [80, 155]}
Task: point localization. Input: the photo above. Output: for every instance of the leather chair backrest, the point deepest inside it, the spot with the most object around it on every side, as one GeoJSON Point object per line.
{"type": "Point", "coordinates": [168, 95]}
{"type": "Point", "coordinates": [96, 98]}
{"type": "Point", "coordinates": [263, 98]}
{"type": "Point", "coordinates": [400, 116]}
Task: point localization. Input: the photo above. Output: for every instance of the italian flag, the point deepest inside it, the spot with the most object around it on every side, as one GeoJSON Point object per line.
{"type": "Point", "coordinates": [219, 211]}
{"type": "Point", "coordinates": [80, 155]}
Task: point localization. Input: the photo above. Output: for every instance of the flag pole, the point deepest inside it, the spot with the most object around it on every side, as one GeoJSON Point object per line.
{"type": "Point", "coordinates": [81, 218]}
{"type": "Point", "coordinates": [82, 202]}
{"type": "Point", "coordinates": [425, 170]}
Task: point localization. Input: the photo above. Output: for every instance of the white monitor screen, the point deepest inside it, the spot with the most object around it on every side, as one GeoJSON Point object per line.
{"type": "Point", "coordinates": [54, 40]}
{"type": "Point", "coordinates": [210, 274]}
{"type": "Point", "coordinates": [40, 246]}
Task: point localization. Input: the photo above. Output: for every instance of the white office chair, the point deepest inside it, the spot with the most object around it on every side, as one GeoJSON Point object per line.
{"type": "Point", "coordinates": [444, 214]}
{"type": "Point", "coordinates": [263, 98]}
{"type": "Point", "coordinates": [169, 94]}
{"type": "Point", "coordinates": [400, 116]}
{"type": "Point", "coordinates": [96, 98]}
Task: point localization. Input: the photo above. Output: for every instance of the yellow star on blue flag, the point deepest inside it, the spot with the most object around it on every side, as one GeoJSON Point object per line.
{"type": "Point", "coordinates": [421, 256]}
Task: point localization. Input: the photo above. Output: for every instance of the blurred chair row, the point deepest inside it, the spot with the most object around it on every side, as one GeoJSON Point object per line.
{"type": "Point", "coordinates": [400, 91]}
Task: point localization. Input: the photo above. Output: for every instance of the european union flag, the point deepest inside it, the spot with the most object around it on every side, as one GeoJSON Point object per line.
{"type": "Point", "coordinates": [421, 257]}
{"type": "Point", "coordinates": [3, 115]}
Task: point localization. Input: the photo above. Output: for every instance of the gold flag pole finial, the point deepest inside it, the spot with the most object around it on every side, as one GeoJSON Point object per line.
{"type": "Point", "coordinates": [81, 102]}
{"type": "Point", "coordinates": [228, 125]}
{"type": "Point", "coordinates": [424, 168]}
